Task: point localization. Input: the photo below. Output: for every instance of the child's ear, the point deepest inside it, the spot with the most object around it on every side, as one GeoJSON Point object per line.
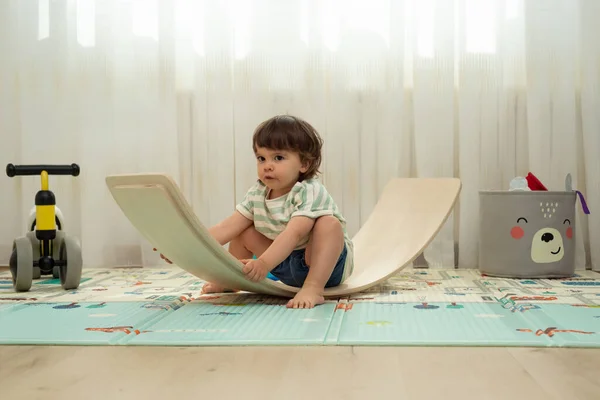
{"type": "Point", "coordinates": [305, 166]}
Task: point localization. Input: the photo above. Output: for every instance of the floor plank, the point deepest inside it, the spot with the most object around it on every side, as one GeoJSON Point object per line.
{"type": "Point", "coordinates": [52, 372]}
{"type": "Point", "coordinates": [565, 373]}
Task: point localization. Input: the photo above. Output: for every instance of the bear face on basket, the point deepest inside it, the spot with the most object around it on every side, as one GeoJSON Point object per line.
{"type": "Point", "coordinates": [546, 231]}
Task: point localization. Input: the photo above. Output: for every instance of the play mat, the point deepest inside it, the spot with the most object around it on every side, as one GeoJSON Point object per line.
{"type": "Point", "coordinates": [424, 307]}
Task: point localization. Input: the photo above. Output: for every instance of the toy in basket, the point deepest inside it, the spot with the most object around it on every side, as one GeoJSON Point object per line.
{"type": "Point", "coordinates": [45, 249]}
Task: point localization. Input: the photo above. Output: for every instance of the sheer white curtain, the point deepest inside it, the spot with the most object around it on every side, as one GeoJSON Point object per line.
{"type": "Point", "coordinates": [481, 90]}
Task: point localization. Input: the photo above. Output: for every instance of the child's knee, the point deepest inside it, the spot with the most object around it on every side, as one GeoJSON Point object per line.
{"type": "Point", "coordinates": [244, 238]}
{"type": "Point", "coordinates": [247, 234]}
{"type": "Point", "coordinates": [329, 223]}
{"type": "Point", "coordinates": [254, 241]}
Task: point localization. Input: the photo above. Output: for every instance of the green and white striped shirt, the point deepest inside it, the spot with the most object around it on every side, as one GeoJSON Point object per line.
{"type": "Point", "coordinates": [308, 198]}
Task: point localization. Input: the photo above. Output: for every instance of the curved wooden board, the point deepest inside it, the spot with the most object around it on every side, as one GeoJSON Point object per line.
{"type": "Point", "coordinates": [408, 215]}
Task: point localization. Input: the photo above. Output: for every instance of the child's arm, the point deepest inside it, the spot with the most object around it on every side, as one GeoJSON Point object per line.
{"type": "Point", "coordinates": [284, 244]}
{"type": "Point", "coordinates": [230, 228]}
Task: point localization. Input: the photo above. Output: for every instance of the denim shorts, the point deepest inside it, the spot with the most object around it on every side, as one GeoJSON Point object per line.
{"type": "Point", "coordinates": [293, 270]}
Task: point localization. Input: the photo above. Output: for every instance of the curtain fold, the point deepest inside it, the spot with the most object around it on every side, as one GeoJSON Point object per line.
{"type": "Point", "coordinates": [480, 90]}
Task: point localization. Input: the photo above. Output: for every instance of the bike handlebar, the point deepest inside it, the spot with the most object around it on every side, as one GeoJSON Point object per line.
{"type": "Point", "coordinates": [14, 170]}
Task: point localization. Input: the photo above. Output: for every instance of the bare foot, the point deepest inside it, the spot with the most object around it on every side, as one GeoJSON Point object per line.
{"type": "Point", "coordinates": [214, 288]}
{"type": "Point", "coordinates": [306, 298]}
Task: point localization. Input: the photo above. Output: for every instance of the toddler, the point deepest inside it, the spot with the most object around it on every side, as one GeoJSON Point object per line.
{"type": "Point", "coordinates": [287, 219]}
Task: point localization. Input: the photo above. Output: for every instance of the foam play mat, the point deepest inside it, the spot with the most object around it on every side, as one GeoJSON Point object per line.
{"type": "Point", "coordinates": [416, 307]}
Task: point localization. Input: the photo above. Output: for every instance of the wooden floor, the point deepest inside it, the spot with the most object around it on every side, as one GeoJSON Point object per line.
{"type": "Point", "coordinates": [29, 372]}
{"type": "Point", "coordinates": [365, 373]}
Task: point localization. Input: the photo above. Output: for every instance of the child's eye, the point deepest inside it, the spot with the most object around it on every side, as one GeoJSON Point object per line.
{"type": "Point", "coordinates": [278, 158]}
{"type": "Point", "coordinates": [260, 158]}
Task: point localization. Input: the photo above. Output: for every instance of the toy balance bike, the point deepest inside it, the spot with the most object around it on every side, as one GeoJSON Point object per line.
{"type": "Point", "coordinates": [45, 250]}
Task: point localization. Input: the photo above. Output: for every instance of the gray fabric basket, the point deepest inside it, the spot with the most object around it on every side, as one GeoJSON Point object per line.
{"type": "Point", "coordinates": [527, 234]}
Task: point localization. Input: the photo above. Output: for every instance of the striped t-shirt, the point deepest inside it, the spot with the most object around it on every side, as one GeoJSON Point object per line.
{"type": "Point", "coordinates": [308, 198]}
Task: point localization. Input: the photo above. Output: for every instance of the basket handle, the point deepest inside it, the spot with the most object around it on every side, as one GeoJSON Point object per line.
{"type": "Point", "coordinates": [586, 210]}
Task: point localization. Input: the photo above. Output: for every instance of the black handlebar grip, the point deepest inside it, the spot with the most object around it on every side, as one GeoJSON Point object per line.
{"type": "Point", "coordinates": [14, 170]}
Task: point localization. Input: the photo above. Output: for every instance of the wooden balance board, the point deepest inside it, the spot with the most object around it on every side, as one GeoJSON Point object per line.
{"type": "Point", "coordinates": [407, 217]}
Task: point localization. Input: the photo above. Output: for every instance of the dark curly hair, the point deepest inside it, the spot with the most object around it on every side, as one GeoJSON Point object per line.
{"type": "Point", "coordinates": [286, 132]}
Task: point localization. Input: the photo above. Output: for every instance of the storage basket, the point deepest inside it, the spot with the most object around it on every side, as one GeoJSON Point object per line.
{"type": "Point", "coordinates": [527, 234]}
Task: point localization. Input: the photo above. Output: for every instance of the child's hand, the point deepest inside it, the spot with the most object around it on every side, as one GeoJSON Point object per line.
{"type": "Point", "coordinates": [255, 270]}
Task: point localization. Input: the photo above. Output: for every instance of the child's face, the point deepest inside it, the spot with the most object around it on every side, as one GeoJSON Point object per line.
{"type": "Point", "coordinates": [279, 169]}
